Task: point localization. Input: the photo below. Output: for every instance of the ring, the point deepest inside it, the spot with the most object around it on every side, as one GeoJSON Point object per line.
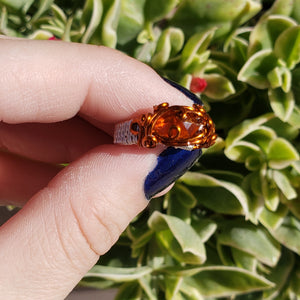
{"type": "Point", "coordinates": [185, 127]}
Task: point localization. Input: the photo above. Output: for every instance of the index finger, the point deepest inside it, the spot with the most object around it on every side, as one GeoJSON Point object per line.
{"type": "Point", "coordinates": [50, 81]}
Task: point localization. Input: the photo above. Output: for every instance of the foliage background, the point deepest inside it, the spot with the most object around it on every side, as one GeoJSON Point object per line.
{"type": "Point", "coordinates": [230, 228]}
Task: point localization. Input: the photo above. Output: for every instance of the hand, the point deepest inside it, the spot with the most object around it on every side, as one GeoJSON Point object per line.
{"type": "Point", "coordinates": [58, 104]}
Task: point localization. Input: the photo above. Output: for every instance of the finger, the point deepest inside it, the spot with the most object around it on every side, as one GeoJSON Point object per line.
{"type": "Point", "coordinates": [60, 233]}
{"type": "Point", "coordinates": [60, 142]}
{"type": "Point", "coordinates": [51, 81]}
{"type": "Point", "coordinates": [20, 179]}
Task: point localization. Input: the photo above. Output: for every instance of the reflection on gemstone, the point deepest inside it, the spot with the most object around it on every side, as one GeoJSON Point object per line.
{"type": "Point", "coordinates": [177, 126]}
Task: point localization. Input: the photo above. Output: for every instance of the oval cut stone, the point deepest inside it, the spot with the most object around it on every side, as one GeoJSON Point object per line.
{"type": "Point", "coordinates": [178, 125]}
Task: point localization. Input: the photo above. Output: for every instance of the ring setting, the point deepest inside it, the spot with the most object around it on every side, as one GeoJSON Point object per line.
{"type": "Point", "coordinates": [185, 127]}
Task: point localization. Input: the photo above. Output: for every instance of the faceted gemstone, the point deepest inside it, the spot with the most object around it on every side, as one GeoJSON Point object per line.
{"type": "Point", "coordinates": [177, 125]}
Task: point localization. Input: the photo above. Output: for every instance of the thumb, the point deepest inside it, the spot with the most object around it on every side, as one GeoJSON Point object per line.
{"type": "Point", "coordinates": [48, 246]}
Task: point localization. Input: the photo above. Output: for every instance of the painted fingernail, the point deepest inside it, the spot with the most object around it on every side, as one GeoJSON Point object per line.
{"type": "Point", "coordinates": [172, 162]}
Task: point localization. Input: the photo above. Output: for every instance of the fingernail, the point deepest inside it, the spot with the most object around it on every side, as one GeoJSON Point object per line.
{"type": "Point", "coordinates": [185, 91]}
{"type": "Point", "coordinates": [172, 162]}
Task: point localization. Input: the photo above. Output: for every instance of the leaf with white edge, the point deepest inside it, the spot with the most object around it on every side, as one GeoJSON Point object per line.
{"type": "Point", "coordinates": [172, 284]}
{"type": "Point", "coordinates": [244, 260]}
{"type": "Point", "coordinates": [221, 281]}
{"type": "Point", "coordinates": [43, 6]}
{"type": "Point", "coordinates": [196, 45]}
{"type": "Point", "coordinates": [129, 290]}
{"type": "Point", "coordinates": [269, 190]}
{"type": "Point", "coordinates": [155, 10]}
{"type": "Point", "coordinates": [282, 103]}
{"type": "Point", "coordinates": [169, 44]}
{"type": "Point", "coordinates": [288, 234]}
{"type": "Point", "coordinates": [284, 184]}
{"type": "Point", "coordinates": [267, 30]}
{"type": "Point", "coordinates": [287, 46]}
{"type": "Point", "coordinates": [283, 129]}
{"type": "Point", "coordinates": [246, 127]}
{"type": "Point", "coordinates": [251, 239]}
{"type": "Point", "coordinates": [118, 274]}
{"type": "Point", "coordinates": [145, 283]}
{"type": "Point", "coordinates": [256, 69]}
{"type": "Point", "coordinates": [286, 80]}
{"type": "Point", "coordinates": [179, 238]}
{"type": "Point", "coordinates": [281, 154]}
{"type": "Point", "coordinates": [23, 5]}
{"type": "Point", "coordinates": [261, 137]}
{"type": "Point", "coordinates": [110, 23]}
{"type": "Point", "coordinates": [131, 20]}
{"type": "Point", "coordinates": [294, 120]}
{"type": "Point", "coordinates": [273, 219]}
{"type": "Point", "coordinates": [205, 228]}
{"type": "Point", "coordinates": [218, 87]}
{"type": "Point", "coordinates": [274, 77]}
{"type": "Point", "coordinates": [280, 274]}
{"type": "Point", "coordinates": [202, 180]}
{"type": "Point", "coordinates": [59, 13]}
{"type": "Point", "coordinates": [91, 18]}
{"type": "Point", "coordinates": [41, 35]}
{"type": "Point", "coordinates": [180, 200]}
{"type": "Point", "coordinates": [242, 150]}
{"type": "Point", "coordinates": [189, 292]}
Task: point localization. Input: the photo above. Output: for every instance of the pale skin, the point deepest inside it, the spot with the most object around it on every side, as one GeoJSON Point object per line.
{"type": "Point", "coordinates": [58, 104]}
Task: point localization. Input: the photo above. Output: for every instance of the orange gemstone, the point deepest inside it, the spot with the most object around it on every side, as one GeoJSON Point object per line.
{"type": "Point", "coordinates": [187, 127]}
{"type": "Point", "coordinates": [177, 124]}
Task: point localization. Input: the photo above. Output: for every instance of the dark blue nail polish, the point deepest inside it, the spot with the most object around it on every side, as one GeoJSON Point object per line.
{"type": "Point", "coordinates": [185, 91]}
{"type": "Point", "coordinates": [171, 163]}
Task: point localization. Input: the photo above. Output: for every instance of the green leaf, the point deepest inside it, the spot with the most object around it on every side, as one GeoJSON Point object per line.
{"type": "Point", "coordinates": [59, 13]}
{"type": "Point", "coordinates": [179, 238]}
{"type": "Point", "coordinates": [196, 16]}
{"type": "Point", "coordinates": [288, 234]}
{"type": "Point", "coordinates": [241, 151]}
{"type": "Point", "coordinates": [281, 154]}
{"type": "Point", "coordinates": [284, 184]}
{"type": "Point", "coordinates": [280, 274]}
{"type": "Point", "coordinates": [155, 10]}
{"type": "Point", "coordinates": [91, 18]}
{"type": "Point", "coordinates": [110, 22]}
{"type": "Point", "coordinates": [41, 35]}
{"type": "Point", "coordinates": [244, 260]}
{"type": "Point", "coordinates": [273, 219]}
{"type": "Point", "coordinates": [195, 46]}
{"type": "Point", "coordinates": [118, 274]}
{"type": "Point", "coordinates": [296, 11]}
{"type": "Point", "coordinates": [218, 87]}
{"type": "Point", "coordinates": [287, 46]}
{"type": "Point", "coordinates": [145, 283]}
{"type": "Point", "coordinates": [169, 44]}
{"type": "Point", "coordinates": [23, 5]}
{"type": "Point", "coordinates": [205, 228]}
{"type": "Point", "coordinates": [251, 239]}
{"type": "Point", "coordinates": [245, 128]}
{"type": "Point", "coordinates": [256, 69]}
{"type": "Point", "coordinates": [172, 284]}
{"type": "Point", "coordinates": [281, 7]}
{"type": "Point", "coordinates": [221, 281]}
{"type": "Point", "coordinates": [180, 202]}
{"type": "Point", "coordinates": [131, 20]}
{"type": "Point", "coordinates": [223, 189]}
{"type": "Point", "coordinates": [44, 5]}
{"type": "Point", "coordinates": [129, 290]}
{"type": "Point", "coordinates": [266, 31]}
{"type": "Point", "coordinates": [282, 103]}
{"type": "Point", "coordinates": [238, 51]}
